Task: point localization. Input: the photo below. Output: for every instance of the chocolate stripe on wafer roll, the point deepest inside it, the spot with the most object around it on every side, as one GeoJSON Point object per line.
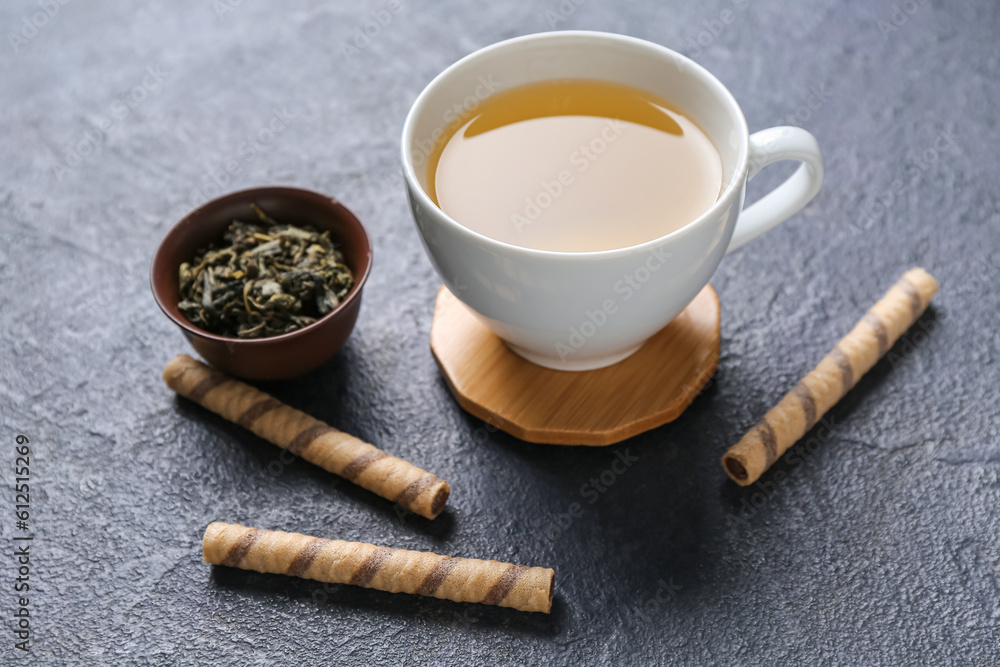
{"type": "Point", "coordinates": [382, 568]}
{"type": "Point", "coordinates": [835, 375]}
{"type": "Point", "coordinates": [336, 451]}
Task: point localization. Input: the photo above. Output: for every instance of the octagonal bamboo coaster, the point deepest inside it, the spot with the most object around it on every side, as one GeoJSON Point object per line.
{"type": "Point", "coordinates": [599, 407]}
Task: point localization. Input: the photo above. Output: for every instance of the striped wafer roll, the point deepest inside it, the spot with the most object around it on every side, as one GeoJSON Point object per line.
{"type": "Point", "coordinates": [370, 566]}
{"type": "Point", "coordinates": [835, 375]}
{"type": "Point", "coordinates": [336, 451]}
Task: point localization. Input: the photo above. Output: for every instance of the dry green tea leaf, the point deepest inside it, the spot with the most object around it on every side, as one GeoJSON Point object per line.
{"type": "Point", "coordinates": [264, 279]}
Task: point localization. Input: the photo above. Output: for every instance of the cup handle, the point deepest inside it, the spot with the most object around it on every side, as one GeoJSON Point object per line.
{"type": "Point", "coordinates": [769, 146]}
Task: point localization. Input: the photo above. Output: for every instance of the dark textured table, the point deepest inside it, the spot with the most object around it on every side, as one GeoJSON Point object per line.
{"type": "Point", "coordinates": [876, 544]}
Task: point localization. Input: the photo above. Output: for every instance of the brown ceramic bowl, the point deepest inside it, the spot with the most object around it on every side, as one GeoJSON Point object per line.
{"type": "Point", "coordinates": [277, 357]}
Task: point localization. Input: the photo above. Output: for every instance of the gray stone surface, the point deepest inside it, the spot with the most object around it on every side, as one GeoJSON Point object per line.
{"type": "Point", "coordinates": [878, 546]}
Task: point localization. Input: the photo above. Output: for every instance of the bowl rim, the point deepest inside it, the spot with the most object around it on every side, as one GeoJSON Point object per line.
{"type": "Point", "coordinates": [282, 191]}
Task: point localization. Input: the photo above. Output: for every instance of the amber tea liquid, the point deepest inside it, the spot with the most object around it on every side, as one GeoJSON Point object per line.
{"type": "Point", "coordinates": [574, 165]}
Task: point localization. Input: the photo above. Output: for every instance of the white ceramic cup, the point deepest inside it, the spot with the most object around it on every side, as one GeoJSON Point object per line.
{"type": "Point", "coordinates": [584, 310]}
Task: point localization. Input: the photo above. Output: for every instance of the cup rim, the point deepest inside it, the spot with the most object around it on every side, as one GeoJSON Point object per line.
{"type": "Point", "coordinates": [178, 229]}
{"type": "Point", "coordinates": [736, 182]}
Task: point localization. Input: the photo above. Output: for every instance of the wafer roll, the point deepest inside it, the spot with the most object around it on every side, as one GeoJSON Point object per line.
{"type": "Point", "coordinates": [382, 568]}
{"type": "Point", "coordinates": [336, 451]}
{"type": "Point", "coordinates": [835, 375]}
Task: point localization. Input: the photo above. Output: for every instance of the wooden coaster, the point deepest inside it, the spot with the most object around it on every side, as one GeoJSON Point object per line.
{"type": "Point", "coordinates": [598, 407]}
